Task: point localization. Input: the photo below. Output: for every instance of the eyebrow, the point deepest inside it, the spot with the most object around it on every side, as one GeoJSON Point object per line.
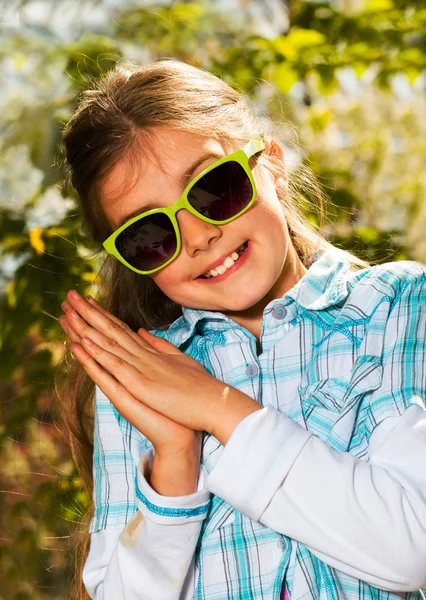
{"type": "Point", "coordinates": [183, 180]}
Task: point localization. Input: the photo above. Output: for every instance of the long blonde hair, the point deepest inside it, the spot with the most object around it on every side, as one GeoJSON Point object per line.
{"type": "Point", "coordinates": [112, 123]}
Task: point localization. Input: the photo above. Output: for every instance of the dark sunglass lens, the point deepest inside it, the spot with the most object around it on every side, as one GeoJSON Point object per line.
{"type": "Point", "coordinates": [222, 193]}
{"type": "Point", "coordinates": [148, 243]}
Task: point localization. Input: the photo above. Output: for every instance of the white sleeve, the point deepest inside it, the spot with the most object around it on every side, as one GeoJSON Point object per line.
{"type": "Point", "coordinates": [149, 557]}
{"type": "Point", "coordinates": [365, 518]}
{"type": "Point", "coordinates": [152, 556]}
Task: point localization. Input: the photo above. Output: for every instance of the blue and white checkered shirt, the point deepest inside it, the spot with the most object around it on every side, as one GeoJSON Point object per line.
{"type": "Point", "coordinates": [341, 352]}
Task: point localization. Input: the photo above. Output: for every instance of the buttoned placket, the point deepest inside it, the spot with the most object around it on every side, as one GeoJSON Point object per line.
{"type": "Point", "coordinates": [279, 316]}
{"type": "Point", "coordinates": [254, 367]}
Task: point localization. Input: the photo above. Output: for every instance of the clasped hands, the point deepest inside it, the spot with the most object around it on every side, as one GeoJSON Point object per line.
{"type": "Point", "coordinates": [164, 393]}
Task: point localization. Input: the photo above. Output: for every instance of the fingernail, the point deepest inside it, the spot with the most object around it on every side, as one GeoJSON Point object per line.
{"type": "Point", "coordinates": [75, 294]}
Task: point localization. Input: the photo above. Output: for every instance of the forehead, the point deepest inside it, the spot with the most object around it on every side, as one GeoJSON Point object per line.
{"type": "Point", "coordinates": [160, 159]}
{"type": "Point", "coordinates": [169, 145]}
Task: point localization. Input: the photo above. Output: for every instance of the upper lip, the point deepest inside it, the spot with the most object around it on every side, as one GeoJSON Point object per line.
{"type": "Point", "coordinates": [220, 260]}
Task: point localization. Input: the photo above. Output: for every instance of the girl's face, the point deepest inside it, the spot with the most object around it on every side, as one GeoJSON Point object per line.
{"type": "Point", "coordinates": [270, 264]}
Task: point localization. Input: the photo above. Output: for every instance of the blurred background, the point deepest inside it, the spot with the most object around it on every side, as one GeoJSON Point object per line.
{"type": "Point", "coordinates": [344, 80]}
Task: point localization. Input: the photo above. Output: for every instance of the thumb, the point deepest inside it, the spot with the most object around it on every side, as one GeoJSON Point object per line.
{"type": "Point", "coordinates": [158, 343]}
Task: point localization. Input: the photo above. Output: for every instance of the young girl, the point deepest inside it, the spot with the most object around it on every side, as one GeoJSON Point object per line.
{"type": "Point", "coordinates": [259, 419]}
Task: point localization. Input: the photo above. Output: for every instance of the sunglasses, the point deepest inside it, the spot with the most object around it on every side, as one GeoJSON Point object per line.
{"type": "Point", "coordinates": [219, 194]}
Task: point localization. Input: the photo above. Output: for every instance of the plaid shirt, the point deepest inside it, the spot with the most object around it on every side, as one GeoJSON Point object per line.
{"type": "Point", "coordinates": [341, 351]}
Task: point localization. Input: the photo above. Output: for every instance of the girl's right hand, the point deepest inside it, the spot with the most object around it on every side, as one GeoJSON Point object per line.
{"type": "Point", "coordinates": [170, 439]}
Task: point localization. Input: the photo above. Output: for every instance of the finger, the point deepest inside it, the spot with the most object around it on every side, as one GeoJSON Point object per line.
{"type": "Point", "coordinates": [104, 311]}
{"type": "Point", "coordinates": [108, 325]}
{"type": "Point", "coordinates": [149, 338]}
{"type": "Point", "coordinates": [83, 330]}
{"type": "Point", "coordinates": [118, 366]}
{"type": "Point", "coordinates": [123, 371]}
{"type": "Point", "coordinates": [133, 410]}
{"type": "Point", "coordinates": [66, 306]}
{"type": "Point", "coordinates": [73, 336]}
{"type": "Point", "coordinates": [67, 323]}
{"type": "Point", "coordinates": [71, 325]}
{"type": "Point", "coordinates": [158, 343]}
{"type": "Point", "coordinates": [86, 308]}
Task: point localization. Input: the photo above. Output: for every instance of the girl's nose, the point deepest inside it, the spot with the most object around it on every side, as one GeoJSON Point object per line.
{"type": "Point", "coordinates": [197, 235]}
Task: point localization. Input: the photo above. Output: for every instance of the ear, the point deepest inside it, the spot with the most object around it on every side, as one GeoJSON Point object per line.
{"type": "Point", "coordinates": [277, 151]}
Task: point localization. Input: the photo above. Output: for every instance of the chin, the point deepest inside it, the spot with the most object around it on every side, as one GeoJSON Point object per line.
{"type": "Point", "coordinates": [251, 296]}
{"type": "Point", "coordinates": [242, 305]}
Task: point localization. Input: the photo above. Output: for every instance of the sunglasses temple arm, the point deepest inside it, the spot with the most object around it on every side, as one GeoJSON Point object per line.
{"type": "Point", "coordinates": [253, 146]}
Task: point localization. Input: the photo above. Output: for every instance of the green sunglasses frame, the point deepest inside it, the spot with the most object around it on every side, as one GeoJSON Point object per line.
{"type": "Point", "coordinates": [242, 156]}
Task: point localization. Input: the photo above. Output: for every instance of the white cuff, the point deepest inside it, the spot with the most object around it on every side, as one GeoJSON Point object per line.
{"type": "Point", "coordinates": [170, 510]}
{"type": "Point", "coordinates": [256, 460]}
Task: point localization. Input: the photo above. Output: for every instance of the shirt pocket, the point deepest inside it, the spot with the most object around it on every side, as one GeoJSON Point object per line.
{"type": "Point", "coordinates": [332, 408]}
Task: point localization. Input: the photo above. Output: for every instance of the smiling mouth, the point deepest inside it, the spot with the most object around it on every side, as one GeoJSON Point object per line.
{"type": "Point", "coordinates": [240, 252]}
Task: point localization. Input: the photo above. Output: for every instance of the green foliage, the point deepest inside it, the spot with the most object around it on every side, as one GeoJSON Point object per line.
{"type": "Point", "coordinates": [348, 81]}
{"type": "Point", "coordinates": [89, 57]}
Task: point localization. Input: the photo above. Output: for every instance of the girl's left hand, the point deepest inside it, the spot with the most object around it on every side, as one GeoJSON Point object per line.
{"type": "Point", "coordinates": [154, 371]}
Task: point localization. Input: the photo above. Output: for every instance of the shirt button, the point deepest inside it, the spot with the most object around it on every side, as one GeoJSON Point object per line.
{"type": "Point", "coordinates": [252, 370]}
{"type": "Point", "coordinates": [282, 544]}
{"type": "Point", "coordinates": [279, 311]}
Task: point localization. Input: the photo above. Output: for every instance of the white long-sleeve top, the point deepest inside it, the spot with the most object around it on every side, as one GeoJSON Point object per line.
{"type": "Point", "coordinates": [366, 518]}
{"type": "Point", "coordinates": [324, 488]}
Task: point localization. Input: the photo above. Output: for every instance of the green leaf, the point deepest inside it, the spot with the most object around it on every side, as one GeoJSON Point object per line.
{"type": "Point", "coordinates": [186, 12]}
{"type": "Point", "coordinates": [305, 38]}
{"type": "Point", "coordinates": [297, 40]}
{"type": "Point", "coordinates": [412, 74]}
{"type": "Point", "coordinates": [375, 6]}
{"type": "Point", "coordinates": [320, 120]}
{"type": "Point", "coordinates": [359, 68]}
{"type": "Point", "coordinates": [326, 80]}
{"type": "Point", "coordinates": [284, 76]}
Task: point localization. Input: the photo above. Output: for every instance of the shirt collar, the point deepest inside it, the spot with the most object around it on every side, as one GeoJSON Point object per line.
{"type": "Point", "coordinates": [324, 284]}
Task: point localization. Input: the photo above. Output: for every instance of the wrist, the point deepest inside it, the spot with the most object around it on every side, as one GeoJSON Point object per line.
{"type": "Point", "coordinates": [182, 449]}
{"type": "Point", "coordinates": [234, 409]}
{"type": "Point", "coordinates": [174, 472]}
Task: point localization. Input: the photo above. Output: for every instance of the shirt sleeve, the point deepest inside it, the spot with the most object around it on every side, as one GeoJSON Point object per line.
{"type": "Point", "coordinates": [142, 544]}
{"type": "Point", "coordinates": [366, 518]}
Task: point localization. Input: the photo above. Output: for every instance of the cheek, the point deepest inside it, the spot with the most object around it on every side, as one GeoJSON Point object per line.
{"type": "Point", "coordinates": [270, 214]}
{"type": "Point", "coordinates": [178, 290]}
{"type": "Point", "coordinates": [163, 280]}
{"type": "Point", "coordinates": [168, 278]}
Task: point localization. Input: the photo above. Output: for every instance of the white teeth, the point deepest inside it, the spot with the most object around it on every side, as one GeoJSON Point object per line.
{"type": "Point", "coordinates": [227, 264]}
